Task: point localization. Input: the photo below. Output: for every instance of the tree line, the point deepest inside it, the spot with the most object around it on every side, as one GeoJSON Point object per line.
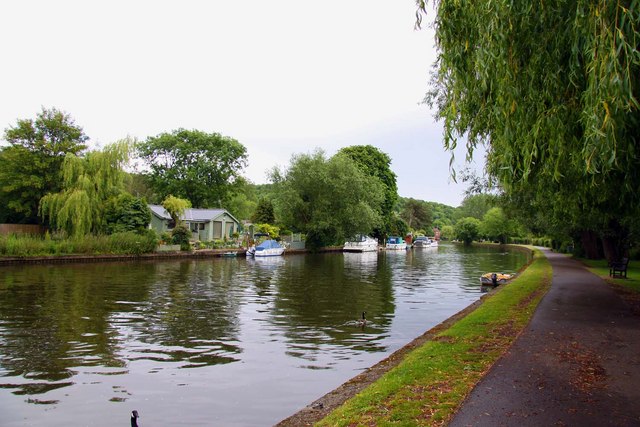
{"type": "Point", "coordinates": [49, 176]}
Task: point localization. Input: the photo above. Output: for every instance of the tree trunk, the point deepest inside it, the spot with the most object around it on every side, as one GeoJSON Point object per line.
{"type": "Point", "coordinates": [589, 242]}
{"type": "Point", "coordinates": [614, 241]}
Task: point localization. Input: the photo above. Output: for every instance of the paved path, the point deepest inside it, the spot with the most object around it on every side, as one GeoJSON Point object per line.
{"type": "Point", "coordinates": [576, 364]}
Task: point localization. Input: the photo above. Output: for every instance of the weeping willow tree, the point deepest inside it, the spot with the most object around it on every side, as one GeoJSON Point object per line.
{"type": "Point", "coordinates": [551, 88]}
{"type": "Point", "coordinates": [88, 183]}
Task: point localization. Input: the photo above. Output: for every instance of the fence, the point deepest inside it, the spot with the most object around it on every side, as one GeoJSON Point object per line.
{"type": "Point", "coordinates": [31, 229]}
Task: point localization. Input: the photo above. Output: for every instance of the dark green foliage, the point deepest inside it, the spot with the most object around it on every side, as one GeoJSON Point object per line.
{"type": "Point", "coordinates": [264, 213]}
{"type": "Point", "coordinates": [442, 214]}
{"type": "Point", "coordinates": [416, 213]}
{"type": "Point", "coordinates": [127, 213]}
{"type": "Point", "coordinates": [377, 164]}
{"type": "Point", "coordinates": [330, 200]}
{"type": "Point", "coordinates": [193, 165]}
{"type": "Point", "coordinates": [181, 235]}
{"type": "Point", "coordinates": [30, 166]}
{"type": "Point", "coordinates": [243, 201]}
{"type": "Point", "coordinates": [398, 227]}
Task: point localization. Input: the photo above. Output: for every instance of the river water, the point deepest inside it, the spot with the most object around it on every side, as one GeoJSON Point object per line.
{"type": "Point", "coordinates": [216, 342]}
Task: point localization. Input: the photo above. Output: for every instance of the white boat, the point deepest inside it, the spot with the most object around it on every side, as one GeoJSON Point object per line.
{"type": "Point", "coordinates": [361, 244]}
{"type": "Point", "coordinates": [395, 243]}
{"type": "Point", "coordinates": [423, 242]}
{"type": "Point", "coordinates": [266, 248]}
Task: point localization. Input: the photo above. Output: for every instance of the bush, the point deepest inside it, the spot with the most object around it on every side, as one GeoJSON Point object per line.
{"type": "Point", "coordinates": [180, 235]}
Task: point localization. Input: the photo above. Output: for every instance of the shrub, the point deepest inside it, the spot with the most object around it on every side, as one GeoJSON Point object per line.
{"type": "Point", "coordinates": [166, 237]}
{"type": "Point", "coordinates": [180, 235]}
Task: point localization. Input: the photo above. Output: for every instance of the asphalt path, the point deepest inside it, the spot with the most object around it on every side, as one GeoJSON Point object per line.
{"type": "Point", "coordinates": [577, 363]}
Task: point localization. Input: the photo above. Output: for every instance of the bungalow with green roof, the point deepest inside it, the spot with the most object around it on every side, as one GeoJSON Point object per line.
{"type": "Point", "coordinates": [205, 224]}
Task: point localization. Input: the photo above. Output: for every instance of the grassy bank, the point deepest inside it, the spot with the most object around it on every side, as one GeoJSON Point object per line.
{"type": "Point", "coordinates": [426, 388]}
{"type": "Point", "coordinates": [601, 268]}
{"type": "Point", "coordinates": [128, 243]}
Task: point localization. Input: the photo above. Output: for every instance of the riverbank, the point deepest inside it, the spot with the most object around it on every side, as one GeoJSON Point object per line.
{"type": "Point", "coordinates": [575, 364]}
{"type": "Point", "coordinates": [425, 381]}
{"type": "Point", "coordinates": [197, 254]}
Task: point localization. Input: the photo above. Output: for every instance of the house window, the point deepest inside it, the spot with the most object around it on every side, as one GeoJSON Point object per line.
{"type": "Point", "coordinates": [201, 226]}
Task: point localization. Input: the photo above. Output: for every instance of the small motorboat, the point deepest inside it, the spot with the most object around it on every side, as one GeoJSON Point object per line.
{"type": "Point", "coordinates": [495, 279]}
{"type": "Point", "coordinates": [395, 243]}
{"type": "Point", "coordinates": [422, 242]}
{"type": "Point", "coordinates": [361, 244]}
{"type": "Point", "coordinates": [266, 248]}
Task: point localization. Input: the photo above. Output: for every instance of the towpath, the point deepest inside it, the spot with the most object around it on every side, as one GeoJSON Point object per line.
{"type": "Point", "coordinates": [576, 364]}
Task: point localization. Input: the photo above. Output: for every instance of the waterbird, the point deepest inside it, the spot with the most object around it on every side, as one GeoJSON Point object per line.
{"type": "Point", "coordinates": [362, 322]}
{"type": "Point", "coordinates": [134, 418]}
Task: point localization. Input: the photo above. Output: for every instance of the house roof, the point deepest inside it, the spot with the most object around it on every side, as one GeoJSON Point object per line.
{"type": "Point", "coordinates": [193, 215]}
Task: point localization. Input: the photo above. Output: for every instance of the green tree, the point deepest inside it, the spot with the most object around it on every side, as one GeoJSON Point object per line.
{"type": "Point", "coordinates": [398, 227]}
{"type": "Point", "coordinates": [30, 166]}
{"type": "Point", "coordinates": [442, 214]}
{"type": "Point", "coordinates": [377, 164]}
{"type": "Point", "coordinates": [415, 213]}
{"type": "Point", "coordinates": [89, 182]}
{"type": "Point", "coordinates": [194, 165]}
{"type": "Point", "coordinates": [243, 201]}
{"type": "Point", "coordinates": [264, 213]}
{"type": "Point", "coordinates": [138, 185]}
{"type": "Point", "coordinates": [271, 230]}
{"type": "Point", "coordinates": [125, 212]}
{"type": "Point", "coordinates": [475, 205]}
{"type": "Point", "coordinates": [496, 226]}
{"type": "Point", "coordinates": [447, 232]}
{"type": "Point", "coordinates": [176, 208]}
{"type": "Point", "coordinates": [328, 199]}
{"type": "Point", "coordinates": [467, 229]}
{"type": "Point", "coordinates": [552, 89]}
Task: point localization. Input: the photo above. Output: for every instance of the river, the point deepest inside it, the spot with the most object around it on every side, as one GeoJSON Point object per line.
{"type": "Point", "coordinates": [223, 341]}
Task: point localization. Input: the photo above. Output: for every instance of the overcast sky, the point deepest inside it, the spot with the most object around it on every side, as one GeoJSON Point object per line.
{"type": "Point", "coordinates": [281, 77]}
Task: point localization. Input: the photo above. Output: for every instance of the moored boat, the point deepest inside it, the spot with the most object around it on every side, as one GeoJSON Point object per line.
{"type": "Point", "coordinates": [266, 248]}
{"type": "Point", "coordinates": [361, 244]}
{"type": "Point", "coordinates": [500, 278]}
{"type": "Point", "coordinates": [395, 243]}
{"type": "Point", "coordinates": [422, 242]}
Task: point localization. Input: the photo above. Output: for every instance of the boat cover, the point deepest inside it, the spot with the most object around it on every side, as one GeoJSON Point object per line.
{"type": "Point", "coordinates": [268, 244]}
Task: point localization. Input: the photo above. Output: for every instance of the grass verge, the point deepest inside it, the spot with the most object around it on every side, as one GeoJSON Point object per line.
{"type": "Point", "coordinates": [430, 384]}
{"type": "Point", "coordinates": [601, 268]}
{"type": "Point", "coordinates": [128, 243]}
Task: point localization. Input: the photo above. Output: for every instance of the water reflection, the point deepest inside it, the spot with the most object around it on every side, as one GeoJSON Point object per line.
{"type": "Point", "coordinates": [96, 335]}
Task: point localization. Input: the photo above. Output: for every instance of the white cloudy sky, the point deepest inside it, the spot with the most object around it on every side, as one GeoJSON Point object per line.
{"type": "Point", "coordinates": [281, 77]}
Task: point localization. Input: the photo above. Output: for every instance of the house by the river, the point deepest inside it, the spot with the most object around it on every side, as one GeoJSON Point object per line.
{"type": "Point", "coordinates": [205, 224]}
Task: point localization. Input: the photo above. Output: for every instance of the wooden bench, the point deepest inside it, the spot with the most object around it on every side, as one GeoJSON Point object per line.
{"type": "Point", "coordinates": [618, 268]}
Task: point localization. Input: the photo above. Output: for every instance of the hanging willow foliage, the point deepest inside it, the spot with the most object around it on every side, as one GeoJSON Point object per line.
{"type": "Point", "coordinates": [88, 183]}
{"type": "Point", "coordinates": [546, 85]}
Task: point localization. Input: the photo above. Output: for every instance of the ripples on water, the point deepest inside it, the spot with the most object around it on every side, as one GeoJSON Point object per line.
{"type": "Point", "coordinates": [223, 341]}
